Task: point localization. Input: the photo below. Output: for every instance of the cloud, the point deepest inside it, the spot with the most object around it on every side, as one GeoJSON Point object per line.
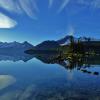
{"type": "Point", "coordinates": [7, 4]}
{"type": "Point", "coordinates": [92, 3]}
{"type": "Point", "coordinates": [50, 3]}
{"type": "Point", "coordinates": [71, 30]}
{"type": "Point", "coordinates": [6, 80]}
{"type": "Point", "coordinates": [63, 5]}
{"type": "Point", "coordinates": [6, 22]}
{"type": "Point", "coordinates": [29, 7]}
{"type": "Point", "coordinates": [19, 6]}
{"type": "Point", "coordinates": [10, 5]}
{"type": "Point", "coordinates": [96, 3]}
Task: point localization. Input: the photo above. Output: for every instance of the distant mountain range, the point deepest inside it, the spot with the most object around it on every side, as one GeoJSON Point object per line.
{"type": "Point", "coordinates": [49, 45]}
{"type": "Point", "coordinates": [14, 48]}
{"type": "Point", "coordinates": [15, 44]}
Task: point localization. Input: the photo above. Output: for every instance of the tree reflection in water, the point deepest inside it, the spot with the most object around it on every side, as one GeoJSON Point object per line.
{"type": "Point", "coordinates": [73, 62]}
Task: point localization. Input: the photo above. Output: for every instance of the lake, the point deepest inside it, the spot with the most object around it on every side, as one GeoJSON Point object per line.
{"type": "Point", "coordinates": [38, 79]}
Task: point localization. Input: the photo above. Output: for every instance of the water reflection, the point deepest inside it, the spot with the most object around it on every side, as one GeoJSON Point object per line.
{"type": "Point", "coordinates": [81, 87]}
{"type": "Point", "coordinates": [14, 58]}
{"type": "Point", "coordinates": [74, 62]}
{"type": "Point", "coordinates": [6, 80]}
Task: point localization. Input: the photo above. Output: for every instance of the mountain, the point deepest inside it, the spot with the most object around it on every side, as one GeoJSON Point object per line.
{"type": "Point", "coordinates": [14, 47]}
{"type": "Point", "coordinates": [67, 39]}
{"type": "Point", "coordinates": [15, 44]}
{"type": "Point", "coordinates": [86, 39]}
{"type": "Point", "coordinates": [47, 45]}
{"type": "Point", "coordinates": [64, 40]}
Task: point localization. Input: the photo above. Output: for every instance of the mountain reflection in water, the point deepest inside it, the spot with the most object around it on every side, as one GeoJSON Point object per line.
{"type": "Point", "coordinates": [78, 88]}
{"type": "Point", "coordinates": [14, 58]}
{"type": "Point", "coordinates": [80, 63]}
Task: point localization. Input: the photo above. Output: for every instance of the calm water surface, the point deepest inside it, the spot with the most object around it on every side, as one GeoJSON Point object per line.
{"type": "Point", "coordinates": [35, 80]}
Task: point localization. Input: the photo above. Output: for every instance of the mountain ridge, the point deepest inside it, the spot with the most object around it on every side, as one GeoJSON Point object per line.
{"type": "Point", "coordinates": [17, 44]}
{"type": "Point", "coordinates": [14, 48]}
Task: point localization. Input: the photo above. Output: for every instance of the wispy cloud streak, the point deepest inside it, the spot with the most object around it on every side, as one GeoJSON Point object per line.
{"type": "Point", "coordinates": [10, 5]}
{"type": "Point", "coordinates": [85, 3]}
{"type": "Point", "coordinates": [18, 6]}
{"type": "Point", "coordinates": [50, 3]}
{"type": "Point", "coordinates": [63, 5]}
{"type": "Point", "coordinates": [92, 3]}
{"type": "Point", "coordinates": [29, 7]}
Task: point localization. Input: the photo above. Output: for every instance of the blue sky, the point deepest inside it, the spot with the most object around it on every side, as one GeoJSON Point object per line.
{"type": "Point", "coordinates": [39, 20]}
